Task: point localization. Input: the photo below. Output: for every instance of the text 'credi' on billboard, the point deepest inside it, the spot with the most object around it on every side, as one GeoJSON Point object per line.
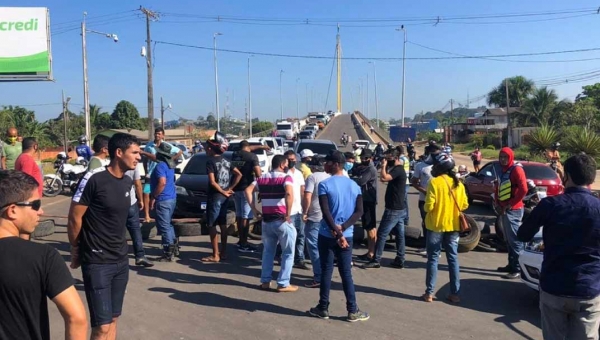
{"type": "Point", "coordinates": [25, 48]}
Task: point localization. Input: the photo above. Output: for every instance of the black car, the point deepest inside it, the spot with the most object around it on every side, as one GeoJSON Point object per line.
{"type": "Point", "coordinates": [192, 188]}
{"type": "Point", "coordinates": [305, 135]}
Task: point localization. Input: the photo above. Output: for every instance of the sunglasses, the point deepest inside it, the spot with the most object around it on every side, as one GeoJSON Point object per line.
{"type": "Point", "coordinates": [35, 205]}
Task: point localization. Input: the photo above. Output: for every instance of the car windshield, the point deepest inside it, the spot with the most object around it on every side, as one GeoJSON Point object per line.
{"type": "Point", "coordinates": [290, 144]}
{"type": "Point", "coordinates": [318, 148]}
{"type": "Point", "coordinates": [196, 166]}
{"type": "Point", "coordinates": [284, 126]}
{"type": "Point", "coordinates": [539, 172]}
{"type": "Point", "coordinates": [182, 147]}
{"type": "Point", "coordinates": [236, 147]}
{"type": "Point", "coordinates": [270, 144]}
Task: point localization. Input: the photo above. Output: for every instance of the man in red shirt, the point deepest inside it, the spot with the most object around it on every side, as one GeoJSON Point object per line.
{"type": "Point", "coordinates": [511, 190]}
{"type": "Point", "coordinates": [26, 162]}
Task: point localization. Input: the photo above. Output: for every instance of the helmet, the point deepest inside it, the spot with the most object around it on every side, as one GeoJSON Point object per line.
{"type": "Point", "coordinates": [197, 142]}
{"type": "Point", "coordinates": [432, 142]}
{"type": "Point", "coordinates": [218, 143]}
{"type": "Point", "coordinates": [556, 145]}
{"type": "Point", "coordinates": [82, 139]}
{"type": "Point", "coordinates": [61, 155]}
{"type": "Point", "coordinates": [444, 161]}
{"type": "Point", "coordinates": [462, 168]}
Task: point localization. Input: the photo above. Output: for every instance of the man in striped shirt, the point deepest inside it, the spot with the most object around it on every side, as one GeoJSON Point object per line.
{"type": "Point", "coordinates": [276, 191]}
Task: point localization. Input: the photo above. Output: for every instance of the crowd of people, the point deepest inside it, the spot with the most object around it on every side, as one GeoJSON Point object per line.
{"type": "Point", "coordinates": [312, 205]}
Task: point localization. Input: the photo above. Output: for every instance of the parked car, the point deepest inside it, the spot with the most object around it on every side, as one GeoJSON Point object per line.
{"type": "Point", "coordinates": [530, 261]}
{"type": "Point", "coordinates": [281, 142]}
{"type": "Point", "coordinates": [290, 144]}
{"type": "Point", "coordinates": [272, 142]}
{"type": "Point", "coordinates": [305, 135]}
{"type": "Point", "coordinates": [363, 143]}
{"type": "Point", "coordinates": [192, 188]}
{"type": "Point", "coordinates": [481, 185]}
{"type": "Point", "coordinates": [264, 158]}
{"type": "Point", "coordinates": [317, 146]}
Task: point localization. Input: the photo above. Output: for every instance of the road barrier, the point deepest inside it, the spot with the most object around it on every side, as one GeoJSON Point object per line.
{"type": "Point", "coordinates": [377, 131]}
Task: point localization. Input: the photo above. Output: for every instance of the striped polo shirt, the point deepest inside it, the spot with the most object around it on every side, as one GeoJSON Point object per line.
{"type": "Point", "coordinates": [271, 187]}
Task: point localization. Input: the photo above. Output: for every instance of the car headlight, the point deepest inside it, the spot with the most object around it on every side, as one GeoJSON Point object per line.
{"type": "Point", "coordinates": [263, 163]}
{"type": "Point", "coordinates": [181, 191]}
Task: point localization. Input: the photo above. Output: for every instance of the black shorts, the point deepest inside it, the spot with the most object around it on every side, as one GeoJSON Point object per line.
{"type": "Point", "coordinates": [476, 163]}
{"type": "Point", "coordinates": [105, 285]}
{"type": "Point", "coordinates": [369, 217]}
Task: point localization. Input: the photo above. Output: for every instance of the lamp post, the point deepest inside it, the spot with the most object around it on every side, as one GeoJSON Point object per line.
{"type": "Point", "coordinates": [403, 29]}
{"type": "Point", "coordinates": [376, 98]}
{"type": "Point", "coordinates": [280, 95]}
{"type": "Point", "coordinates": [86, 93]}
{"type": "Point", "coordinates": [65, 104]}
{"type": "Point", "coordinates": [249, 97]}
{"type": "Point", "coordinates": [217, 81]}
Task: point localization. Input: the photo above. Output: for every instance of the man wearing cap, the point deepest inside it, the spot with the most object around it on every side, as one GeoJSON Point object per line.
{"type": "Point", "coordinates": [365, 175]}
{"type": "Point", "coordinates": [306, 156]}
{"type": "Point", "coordinates": [341, 204]}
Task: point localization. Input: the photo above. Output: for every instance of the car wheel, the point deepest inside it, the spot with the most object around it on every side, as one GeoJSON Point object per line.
{"type": "Point", "coordinates": [469, 240]}
{"type": "Point", "coordinates": [44, 228]}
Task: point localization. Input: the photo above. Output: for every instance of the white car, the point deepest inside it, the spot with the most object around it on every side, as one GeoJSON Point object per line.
{"type": "Point", "coordinates": [363, 143]}
{"type": "Point", "coordinates": [531, 260]}
{"type": "Point", "coordinates": [275, 143]}
{"type": "Point", "coordinates": [264, 157]}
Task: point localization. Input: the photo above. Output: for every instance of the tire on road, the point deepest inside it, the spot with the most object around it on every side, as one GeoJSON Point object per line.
{"type": "Point", "coordinates": [469, 240]}
{"type": "Point", "coordinates": [255, 232]}
{"type": "Point", "coordinates": [148, 231]}
{"type": "Point", "coordinates": [44, 228]}
{"type": "Point", "coordinates": [187, 227]}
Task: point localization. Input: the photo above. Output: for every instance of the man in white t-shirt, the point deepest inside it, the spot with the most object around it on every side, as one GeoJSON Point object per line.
{"type": "Point", "coordinates": [296, 214]}
{"type": "Point", "coordinates": [420, 180]}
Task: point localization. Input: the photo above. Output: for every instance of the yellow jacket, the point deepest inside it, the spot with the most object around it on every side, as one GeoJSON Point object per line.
{"type": "Point", "coordinates": [442, 215]}
{"type": "Point", "coordinates": [305, 170]}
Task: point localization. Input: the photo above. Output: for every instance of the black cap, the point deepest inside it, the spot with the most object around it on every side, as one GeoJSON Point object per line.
{"type": "Point", "coordinates": [366, 153]}
{"type": "Point", "coordinates": [336, 157]}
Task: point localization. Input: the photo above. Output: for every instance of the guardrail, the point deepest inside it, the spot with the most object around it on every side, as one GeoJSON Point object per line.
{"type": "Point", "coordinates": [383, 136]}
{"type": "Point", "coordinates": [360, 130]}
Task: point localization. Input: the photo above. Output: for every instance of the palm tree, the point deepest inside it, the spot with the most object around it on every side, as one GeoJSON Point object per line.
{"type": "Point", "coordinates": [519, 88]}
{"type": "Point", "coordinates": [538, 109]}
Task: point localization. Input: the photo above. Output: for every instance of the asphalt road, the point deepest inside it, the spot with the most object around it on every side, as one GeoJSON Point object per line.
{"type": "Point", "coordinates": [192, 300]}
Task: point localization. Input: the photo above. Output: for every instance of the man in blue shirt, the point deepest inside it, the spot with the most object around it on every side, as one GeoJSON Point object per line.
{"type": "Point", "coordinates": [162, 187]}
{"type": "Point", "coordinates": [83, 150]}
{"type": "Point", "coordinates": [340, 199]}
{"type": "Point", "coordinates": [570, 277]}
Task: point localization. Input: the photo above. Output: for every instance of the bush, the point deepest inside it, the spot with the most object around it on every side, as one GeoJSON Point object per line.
{"type": "Point", "coordinates": [542, 138]}
{"type": "Point", "coordinates": [476, 140]}
{"type": "Point", "coordinates": [582, 139]}
{"type": "Point", "coordinates": [490, 147]}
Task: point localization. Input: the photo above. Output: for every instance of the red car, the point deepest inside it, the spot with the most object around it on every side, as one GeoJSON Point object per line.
{"type": "Point", "coordinates": [480, 186]}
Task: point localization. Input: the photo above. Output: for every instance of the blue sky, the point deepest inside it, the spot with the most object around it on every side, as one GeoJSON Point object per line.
{"type": "Point", "coordinates": [185, 78]}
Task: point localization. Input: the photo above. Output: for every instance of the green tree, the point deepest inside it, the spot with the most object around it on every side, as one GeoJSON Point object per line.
{"type": "Point", "coordinates": [591, 92]}
{"type": "Point", "coordinates": [211, 121]}
{"type": "Point", "coordinates": [538, 109]}
{"type": "Point", "coordinates": [262, 126]}
{"type": "Point", "coordinates": [125, 116]}
{"type": "Point", "coordinates": [519, 88]}
{"type": "Point", "coordinates": [540, 139]}
{"type": "Point", "coordinates": [585, 114]}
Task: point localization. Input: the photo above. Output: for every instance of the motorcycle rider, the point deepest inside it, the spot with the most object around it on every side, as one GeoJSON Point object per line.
{"type": "Point", "coordinates": [83, 150]}
{"type": "Point", "coordinates": [553, 155]}
{"type": "Point", "coordinates": [344, 138]}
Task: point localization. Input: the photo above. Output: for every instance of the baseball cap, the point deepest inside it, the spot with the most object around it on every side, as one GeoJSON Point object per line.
{"type": "Point", "coordinates": [336, 157]}
{"type": "Point", "coordinates": [366, 153]}
{"type": "Point", "coordinates": [306, 153]}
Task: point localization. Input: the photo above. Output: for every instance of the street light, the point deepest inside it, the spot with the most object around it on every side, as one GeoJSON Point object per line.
{"type": "Point", "coordinates": [217, 81]}
{"type": "Point", "coordinates": [280, 96]}
{"type": "Point", "coordinates": [86, 93]}
{"type": "Point", "coordinates": [297, 101]}
{"type": "Point", "coordinates": [403, 29]}
{"type": "Point", "coordinates": [249, 97]}
{"type": "Point", "coordinates": [376, 98]}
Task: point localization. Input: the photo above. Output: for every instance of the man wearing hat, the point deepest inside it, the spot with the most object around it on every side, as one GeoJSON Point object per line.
{"type": "Point", "coordinates": [306, 157]}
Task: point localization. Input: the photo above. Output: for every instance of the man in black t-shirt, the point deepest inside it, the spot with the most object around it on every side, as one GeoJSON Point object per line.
{"type": "Point", "coordinates": [392, 172]}
{"type": "Point", "coordinates": [96, 228]}
{"type": "Point", "coordinates": [365, 175]}
{"type": "Point", "coordinates": [248, 164]}
{"type": "Point", "coordinates": [220, 184]}
{"type": "Point", "coordinates": [30, 272]}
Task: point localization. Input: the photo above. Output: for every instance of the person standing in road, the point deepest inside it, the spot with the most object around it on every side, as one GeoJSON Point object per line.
{"type": "Point", "coordinates": [365, 175]}
{"type": "Point", "coordinates": [512, 189]}
{"type": "Point", "coordinates": [133, 220]}
{"type": "Point", "coordinates": [220, 185]}
{"type": "Point", "coordinates": [298, 185]}
{"type": "Point", "coordinates": [11, 150]}
{"type": "Point", "coordinates": [163, 200]}
{"type": "Point", "coordinates": [26, 162]}
{"type": "Point", "coordinates": [83, 150]}
{"type": "Point", "coordinates": [248, 164]}
{"type": "Point", "coordinates": [151, 162]}
{"type": "Point", "coordinates": [392, 172]}
{"type": "Point", "coordinates": [570, 276]}
{"type": "Point", "coordinates": [277, 195]}
{"type": "Point", "coordinates": [100, 157]}
{"type": "Point", "coordinates": [341, 203]}
{"type": "Point", "coordinates": [31, 272]}
{"type": "Point", "coordinates": [96, 229]}
{"type": "Point", "coordinates": [312, 217]}
{"type": "Point", "coordinates": [420, 181]}
{"type": "Point", "coordinates": [306, 157]}
{"type": "Point", "coordinates": [445, 200]}
{"type": "Point", "coordinates": [476, 158]}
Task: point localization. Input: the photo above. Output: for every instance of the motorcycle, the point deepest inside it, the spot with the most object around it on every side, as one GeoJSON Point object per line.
{"type": "Point", "coordinates": [554, 165]}
{"type": "Point", "coordinates": [344, 141]}
{"type": "Point", "coordinates": [66, 176]}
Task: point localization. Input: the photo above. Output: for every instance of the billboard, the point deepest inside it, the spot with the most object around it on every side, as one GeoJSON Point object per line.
{"type": "Point", "coordinates": [25, 52]}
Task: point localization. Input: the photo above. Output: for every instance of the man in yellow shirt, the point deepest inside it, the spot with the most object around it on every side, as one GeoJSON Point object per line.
{"type": "Point", "coordinates": [445, 199]}
{"type": "Point", "coordinates": [306, 157]}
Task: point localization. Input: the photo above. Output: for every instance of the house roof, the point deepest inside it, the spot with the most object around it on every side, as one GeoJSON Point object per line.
{"type": "Point", "coordinates": [500, 111]}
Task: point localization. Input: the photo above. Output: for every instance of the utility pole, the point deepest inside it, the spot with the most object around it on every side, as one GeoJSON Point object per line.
{"type": "Point", "coordinates": [508, 120]}
{"type": "Point", "coordinates": [403, 70]}
{"type": "Point", "coordinates": [368, 106]}
{"type": "Point", "coordinates": [65, 104]}
{"type": "Point", "coordinates": [376, 98]}
{"type": "Point", "coordinates": [162, 113]}
{"type": "Point", "coordinates": [149, 15]}
{"type": "Point", "coordinates": [216, 80]}
{"type": "Point", "coordinates": [86, 89]}
{"type": "Point", "coordinates": [249, 113]}
{"type": "Point", "coordinates": [280, 95]}
{"type": "Point", "coordinates": [451, 119]}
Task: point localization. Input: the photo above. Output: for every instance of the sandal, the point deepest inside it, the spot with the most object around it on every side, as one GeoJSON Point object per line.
{"type": "Point", "coordinates": [427, 297]}
{"type": "Point", "coordinates": [210, 259]}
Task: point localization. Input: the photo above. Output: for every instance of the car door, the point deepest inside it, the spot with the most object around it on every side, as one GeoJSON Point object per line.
{"type": "Point", "coordinates": [481, 186]}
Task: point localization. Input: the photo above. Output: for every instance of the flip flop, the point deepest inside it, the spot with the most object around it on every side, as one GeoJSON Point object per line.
{"type": "Point", "coordinates": [210, 259]}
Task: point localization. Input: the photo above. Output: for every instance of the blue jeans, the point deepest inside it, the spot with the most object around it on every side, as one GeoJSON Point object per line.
{"type": "Point", "coordinates": [391, 219]}
{"type": "Point", "coordinates": [133, 225]}
{"type": "Point", "coordinates": [242, 208]}
{"type": "Point", "coordinates": [434, 248]}
{"type": "Point", "coordinates": [406, 202]}
{"type": "Point", "coordinates": [328, 249]}
{"type": "Point", "coordinates": [512, 221]}
{"type": "Point", "coordinates": [285, 234]}
{"type": "Point", "coordinates": [299, 225]}
{"type": "Point", "coordinates": [164, 212]}
{"type": "Point", "coordinates": [311, 230]}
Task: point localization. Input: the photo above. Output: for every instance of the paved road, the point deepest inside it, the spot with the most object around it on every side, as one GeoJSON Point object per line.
{"type": "Point", "coordinates": [192, 300]}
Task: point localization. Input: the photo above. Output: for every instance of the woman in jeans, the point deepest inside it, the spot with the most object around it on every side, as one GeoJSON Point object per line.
{"type": "Point", "coordinates": [445, 197]}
